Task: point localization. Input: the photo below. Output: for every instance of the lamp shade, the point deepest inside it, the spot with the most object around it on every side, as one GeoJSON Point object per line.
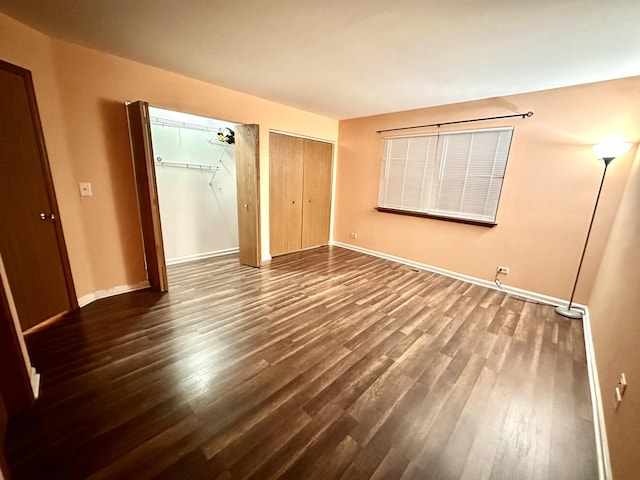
{"type": "Point", "coordinates": [611, 149]}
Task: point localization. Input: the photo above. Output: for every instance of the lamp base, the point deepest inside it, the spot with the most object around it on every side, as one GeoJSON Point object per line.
{"type": "Point", "coordinates": [569, 312]}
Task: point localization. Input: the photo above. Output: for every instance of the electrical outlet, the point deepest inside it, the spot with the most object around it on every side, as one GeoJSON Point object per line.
{"type": "Point", "coordinates": [622, 383]}
{"type": "Point", "coordinates": [354, 235]}
{"type": "Point", "coordinates": [85, 189]}
{"type": "Point", "coordinates": [620, 389]}
{"type": "Point", "coordinates": [503, 270]}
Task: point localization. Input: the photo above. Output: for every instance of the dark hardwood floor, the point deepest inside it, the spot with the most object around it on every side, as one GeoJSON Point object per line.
{"type": "Point", "coordinates": [324, 364]}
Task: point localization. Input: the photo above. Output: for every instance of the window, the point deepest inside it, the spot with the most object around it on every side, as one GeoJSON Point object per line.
{"type": "Point", "coordinates": [456, 175]}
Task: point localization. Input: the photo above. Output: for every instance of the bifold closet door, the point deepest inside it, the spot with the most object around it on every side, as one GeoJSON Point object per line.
{"type": "Point", "coordinates": [248, 190]}
{"type": "Point", "coordinates": [316, 206]}
{"type": "Point", "coordinates": [147, 193]}
{"type": "Point", "coordinates": [285, 193]}
{"type": "Point", "coordinates": [299, 193]}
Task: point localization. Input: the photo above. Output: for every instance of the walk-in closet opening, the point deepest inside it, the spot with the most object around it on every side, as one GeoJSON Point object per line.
{"type": "Point", "coordinates": [197, 184]}
{"type": "Point", "coordinates": [194, 162]}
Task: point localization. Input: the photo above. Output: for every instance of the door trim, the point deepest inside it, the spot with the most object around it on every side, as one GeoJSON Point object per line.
{"type": "Point", "coordinates": [307, 137]}
{"type": "Point", "coordinates": [15, 374]}
{"type": "Point", "coordinates": [48, 179]}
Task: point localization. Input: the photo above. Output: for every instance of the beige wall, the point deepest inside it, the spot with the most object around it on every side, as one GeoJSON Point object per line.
{"type": "Point", "coordinates": [615, 324]}
{"type": "Point", "coordinates": [80, 94]}
{"type": "Point", "coordinates": [547, 198]}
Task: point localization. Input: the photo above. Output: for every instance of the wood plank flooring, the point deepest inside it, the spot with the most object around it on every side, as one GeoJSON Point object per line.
{"type": "Point", "coordinates": [324, 364]}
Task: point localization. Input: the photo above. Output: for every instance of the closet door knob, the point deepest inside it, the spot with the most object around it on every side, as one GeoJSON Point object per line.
{"type": "Point", "coordinates": [50, 216]}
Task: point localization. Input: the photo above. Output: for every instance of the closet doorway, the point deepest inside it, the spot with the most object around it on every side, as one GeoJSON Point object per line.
{"type": "Point", "coordinates": [194, 160]}
{"type": "Point", "coordinates": [196, 179]}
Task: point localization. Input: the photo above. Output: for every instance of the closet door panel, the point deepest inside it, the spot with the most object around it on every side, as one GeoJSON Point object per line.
{"type": "Point", "coordinates": [147, 192]}
{"type": "Point", "coordinates": [285, 193]}
{"type": "Point", "coordinates": [316, 215]}
{"type": "Point", "coordinates": [248, 191]}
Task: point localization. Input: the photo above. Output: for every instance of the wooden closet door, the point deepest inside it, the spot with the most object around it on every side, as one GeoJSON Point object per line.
{"type": "Point", "coordinates": [285, 193]}
{"type": "Point", "coordinates": [316, 210]}
{"type": "Point", "coordinates": [147, 190]}
{"type": "Point", "coordinates": [248, 193]}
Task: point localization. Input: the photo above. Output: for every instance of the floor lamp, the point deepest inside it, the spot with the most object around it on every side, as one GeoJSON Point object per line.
{"type": "Point", "coordinates": [607, 152]}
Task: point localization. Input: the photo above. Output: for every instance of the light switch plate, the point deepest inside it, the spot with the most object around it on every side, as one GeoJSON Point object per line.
{"type": "Point", "coordinates": [85, 189]}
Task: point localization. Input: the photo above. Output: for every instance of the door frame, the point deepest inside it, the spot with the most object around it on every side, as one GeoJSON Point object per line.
{"type": "Point", "coordinates": [48, 179]}
{"type": "Point", "coordinates": [15, 375]}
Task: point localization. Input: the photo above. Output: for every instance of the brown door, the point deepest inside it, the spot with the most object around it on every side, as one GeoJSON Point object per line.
{"type": "Point", "coordinates": [145, 175]}
{"type": "Point", "coordinates": [31, 239]}
{"type": "Point", "coordinates": [285, 193]}
{"type": "Point", "coordinates": [248, 187]}
{"type": "Point", "coordinates": [316, 209]}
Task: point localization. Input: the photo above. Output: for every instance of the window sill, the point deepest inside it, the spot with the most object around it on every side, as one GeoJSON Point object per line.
{"type": "Point", "coordinates": [479, 223]}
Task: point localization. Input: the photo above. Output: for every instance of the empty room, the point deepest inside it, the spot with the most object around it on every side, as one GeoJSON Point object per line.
{"type": "Point", "coordinates": [300, 239]}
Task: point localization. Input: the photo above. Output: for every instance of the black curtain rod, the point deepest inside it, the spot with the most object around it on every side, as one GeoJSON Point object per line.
{"type": "Point", "coordinates": [523, 115]}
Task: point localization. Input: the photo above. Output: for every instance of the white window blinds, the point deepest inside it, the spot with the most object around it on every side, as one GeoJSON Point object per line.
{"type": "Point", "coordinates": [456, 175]}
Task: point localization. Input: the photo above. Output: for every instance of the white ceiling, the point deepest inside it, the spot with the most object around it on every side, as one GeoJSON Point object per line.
{"type": "Point", "coordinates": [351, 58]}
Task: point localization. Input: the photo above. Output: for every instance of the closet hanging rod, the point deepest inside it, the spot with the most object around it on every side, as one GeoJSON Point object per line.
{"type": "Point", "coordinates": [188, 165]}
{"type": "Point", "coordinates": [523, 115]}
{"type": "Point", "coordinates": [186, 125]}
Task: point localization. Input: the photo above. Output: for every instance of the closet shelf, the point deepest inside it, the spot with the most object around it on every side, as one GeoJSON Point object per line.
{"type": "Point", "coordinates": [163, 122]}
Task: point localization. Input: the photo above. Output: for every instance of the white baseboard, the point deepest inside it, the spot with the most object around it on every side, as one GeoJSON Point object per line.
{"type": "Point", "coordinates": [268, 258]}
{"type": "Point", "coordinates": [604, 462]}
{"type": "Point", "coordinates": [201, 256]}
{"type": "Point", "coordinates": [535, 296]}
{"type": "Point", "coordinates": [110, 292]}
{"type": "Point", "coordinates": [602, 445]}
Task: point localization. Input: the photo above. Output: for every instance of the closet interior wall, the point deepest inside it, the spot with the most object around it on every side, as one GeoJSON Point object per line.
{"type": "Point", "coordinates": [196, 179]}
{"type": "Point", "coordinates": [300, 172]}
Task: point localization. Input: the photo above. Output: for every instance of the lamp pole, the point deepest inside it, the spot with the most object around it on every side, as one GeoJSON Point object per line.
{"type": "Point", "coordinates": [568, 311]}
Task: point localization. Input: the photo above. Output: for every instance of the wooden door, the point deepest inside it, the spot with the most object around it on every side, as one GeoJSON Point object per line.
{"type": "Point", "coordinates": [285, 193]}
{"type": "Point", "coordinates": [31, 239]}
{"type": "Point", "coordinates": [145, 176]}
{"type": "Point", "coordinates": [248, 189]}
{"type": "Point", "coordinates": [316, 210]}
